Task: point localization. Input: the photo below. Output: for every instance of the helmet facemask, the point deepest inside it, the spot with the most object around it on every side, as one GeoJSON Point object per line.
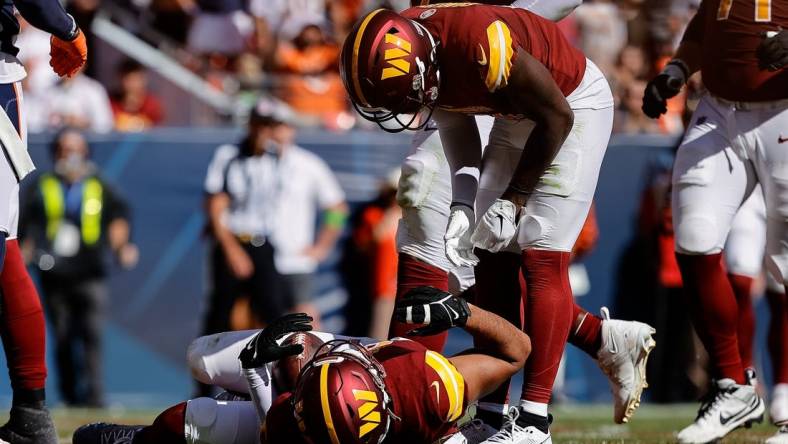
{"type": "Point", "coordinates": [422, 98]}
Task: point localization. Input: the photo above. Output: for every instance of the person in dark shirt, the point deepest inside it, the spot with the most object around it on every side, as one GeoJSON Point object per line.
{"type": "Point", "coordinates": [70, 219]}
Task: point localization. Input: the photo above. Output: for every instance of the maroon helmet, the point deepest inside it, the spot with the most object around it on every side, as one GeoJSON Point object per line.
{"type": "Point", "coordinates": [341, 396]}
{"type": "Point", "coordinates": [390, 70]}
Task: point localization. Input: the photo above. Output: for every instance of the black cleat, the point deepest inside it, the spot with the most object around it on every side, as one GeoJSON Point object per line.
{"type": "Point", "coordinates": [102, 433]}
{"type": "Point", "coordinates": [29, 425]}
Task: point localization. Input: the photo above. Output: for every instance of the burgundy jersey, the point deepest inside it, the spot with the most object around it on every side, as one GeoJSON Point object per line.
{"type": "Point", "coordinates": [730, 32]}
{"type": "Point", "coordinates": [477, 46]}
{"type": "Point", "coordinates": [427, 393]}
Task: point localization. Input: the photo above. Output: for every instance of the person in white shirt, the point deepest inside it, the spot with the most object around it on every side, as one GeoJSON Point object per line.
{"type": "Point", "coordinates": [263, 198]}
{"type": "Point", "coordinates": [78, 102]}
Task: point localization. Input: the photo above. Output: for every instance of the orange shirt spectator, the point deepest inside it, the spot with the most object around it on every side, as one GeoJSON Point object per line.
{"type": "Point", "coordinates": [315, 87]}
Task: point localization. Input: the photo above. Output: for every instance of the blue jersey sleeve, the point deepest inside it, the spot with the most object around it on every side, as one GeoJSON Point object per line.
{"type": "Point", "coordinates": [48, 16]}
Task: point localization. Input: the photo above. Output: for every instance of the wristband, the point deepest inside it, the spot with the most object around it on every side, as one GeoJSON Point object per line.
{"type": "Point", "coordinates": [335, 219]}
{"type": "Point", "coordinates": [682, 65]}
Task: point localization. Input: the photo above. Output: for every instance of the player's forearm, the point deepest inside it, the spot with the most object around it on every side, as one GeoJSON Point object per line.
{"type": "Point", "coordinates": [540, 150]}
{"type": "Point", "coordinates": [259, 381]}
{"type": "Point", "coordinates": [498, 336]}
{"type": "Point", "coordinates": [690, 53]}
{"type": "Point", "coordinates": [462, 147]}
{"type": "Point", "coordinates": [119, 234]}
{"type": "Point", "coordinates": [48, 16]}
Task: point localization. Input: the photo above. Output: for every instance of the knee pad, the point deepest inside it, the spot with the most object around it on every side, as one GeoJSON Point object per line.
{"type": "Point", "coordinates": [697, 234]}
{"type": "Point", "coordinates": [425, 175]}
{"type": "Point", "coordinates": [208, 421]}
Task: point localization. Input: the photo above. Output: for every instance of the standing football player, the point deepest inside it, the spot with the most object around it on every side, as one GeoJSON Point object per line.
{"type": "Point", "coordinates": [736, 140]}
{"type": "Point", "coordinates": [424, 194]}
{"type": "Point", "coordinates": [22, 321]}
{"type": "Point", "coordinates": [555, 111]}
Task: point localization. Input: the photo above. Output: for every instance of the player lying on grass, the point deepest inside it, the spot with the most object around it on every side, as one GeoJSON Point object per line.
{"type": "Point", "coordinates": [392, 391]}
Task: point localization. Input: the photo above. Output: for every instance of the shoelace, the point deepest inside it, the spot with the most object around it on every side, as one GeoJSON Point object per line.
{"type": "Point", "coordinates": [475, 424]}
{"type": "Point", "coordinates": [711, 401]}
{"type": "Point", "coordinates": [510, 429]}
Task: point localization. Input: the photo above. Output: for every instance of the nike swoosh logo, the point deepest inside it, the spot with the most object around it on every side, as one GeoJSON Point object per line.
{"type": "Point", "coordinates": [483, 60]}
{"type": "Point", "coordinates": [500, 224]}
{"type": "Point", "coordinates": [746, 411]}
{"type": "Point", "coordinates": [781, 139]}
{"type": "Point", "coordinates": [437, 391]}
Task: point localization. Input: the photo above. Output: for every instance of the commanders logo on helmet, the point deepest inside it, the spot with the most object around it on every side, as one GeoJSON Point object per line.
{"type": "Point", "coordinates": [389, 68]}
{"type": "Point", "coordinates": [341, 396]}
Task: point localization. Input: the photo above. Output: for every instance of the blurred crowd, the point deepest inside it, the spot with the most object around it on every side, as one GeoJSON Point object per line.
{"type": "Point", "coordinates": [288, 49]}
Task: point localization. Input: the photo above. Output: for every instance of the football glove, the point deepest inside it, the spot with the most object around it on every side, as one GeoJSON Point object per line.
{"type": "Point", "coordinates": [68, 56]}
{"type": "Point", "coordinates": [665, 85]}
{"type": "Point", "coordinates": [773, 51]}
{"type": "Point", "coordinates": [263, 348]}
{"type": "Point", "coordinates": [435, 309]}
{"type": "Point", "coordinates": [497, 227]}
{"type": "Point", "coordinates": [459, 248]}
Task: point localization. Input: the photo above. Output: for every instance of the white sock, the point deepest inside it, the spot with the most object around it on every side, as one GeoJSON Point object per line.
{"type": "Point", "coordinates": [535, 408]}
{"type": "Point", "coordinates": [494, 407]}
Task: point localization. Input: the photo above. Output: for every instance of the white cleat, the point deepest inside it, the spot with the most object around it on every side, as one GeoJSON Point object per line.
{"type": "Point", "coordinates": [727, 407]}
{"type": "Point", "coordinates": [781, 437]}
{"type": "Point", "coordinates": [472, 432]}
{"type": "Point", "coordinates": [622, 357]}
{"type": "Point", "coordinates": [778, 409]}
{"type": "Point", "coordinates": [511, 433]}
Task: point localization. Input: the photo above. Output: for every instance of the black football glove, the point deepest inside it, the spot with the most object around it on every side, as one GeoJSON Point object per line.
{"type": "Point", "coordinates": [262, 348]}
{"type": "Point", "coordinates": [665, 85]}
{"type": "Point", "coordinates": [773, 52]}
{"type": "Point", "coordinates": [437, 310]}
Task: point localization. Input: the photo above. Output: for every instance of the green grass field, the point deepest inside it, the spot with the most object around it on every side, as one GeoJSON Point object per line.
{"type": "Point", "coordinates": [573, 424]}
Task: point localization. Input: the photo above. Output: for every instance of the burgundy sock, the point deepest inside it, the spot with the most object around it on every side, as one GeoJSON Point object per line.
{"type": "Point", "coordinates": [742, 289]}
{"type": "Point", "coordinates": [778, 335]}
{"type": "Point", "coordinates": [586, 332]}
{"type": "Point", "coordinates": [548, 319]}
{"type": "Point", "coordinates": [412, 273]}
{"type": "Point", "coordinates": [714, 312]}
{"type": "Point", "coordinates": [498, 290]}
{"type": "Point", "coordinates": [167, 427]}
{"type": "Point", "coordinates": [23, 328]}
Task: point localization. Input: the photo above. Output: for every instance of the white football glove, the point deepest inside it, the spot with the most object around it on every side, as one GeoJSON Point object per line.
{"type": "Point", "coordinates": [497, 227]}
{"type": "Point", "coordinates": [459, 248]}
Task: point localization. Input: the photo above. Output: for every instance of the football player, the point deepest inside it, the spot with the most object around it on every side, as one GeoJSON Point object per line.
{"type": "Point", "coordinates": [736, 140]}
{"type": "Point", "coordinates": [424, 194]}
{"type": "Point", "coordinates": [22, 324]}
{"type": "Point", "coordinates": [392, 391]}
{"type": "Point", "coordinates": [554, 110]}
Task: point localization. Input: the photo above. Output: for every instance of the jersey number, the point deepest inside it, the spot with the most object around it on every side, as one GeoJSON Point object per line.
{"type": "Point", "coordinates": [763, 10]}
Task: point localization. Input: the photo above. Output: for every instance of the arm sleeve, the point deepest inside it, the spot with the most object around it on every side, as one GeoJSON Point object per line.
{"type": "Point", "coordinates": [48, 16]}
{"type": "Point", "coordinates": [259, 380]}
{"type": "Point", "coordinates": [554, 10]}
{"type": "Point", "coordinates": [463, 148]}
{"type": "Point", "coordinates": [694, 31]}
{"type": "Point", "coordinates": [217, 169]}
{"type": "Point", "coordinates": [115, 206]}
{"type": "Point", "coordinates": [329, 193]}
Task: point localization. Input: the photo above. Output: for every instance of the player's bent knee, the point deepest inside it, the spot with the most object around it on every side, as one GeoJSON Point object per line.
{"type": "Point", "coordinates": [698, 235]}
{"type": "Point", "coordinates": [195, 357]}
{"type": "Point", "coordinates": [208, 421]}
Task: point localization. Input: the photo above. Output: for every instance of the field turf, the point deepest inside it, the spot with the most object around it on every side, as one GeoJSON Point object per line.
{"type": "Point", "coordinates": [573, 423]}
